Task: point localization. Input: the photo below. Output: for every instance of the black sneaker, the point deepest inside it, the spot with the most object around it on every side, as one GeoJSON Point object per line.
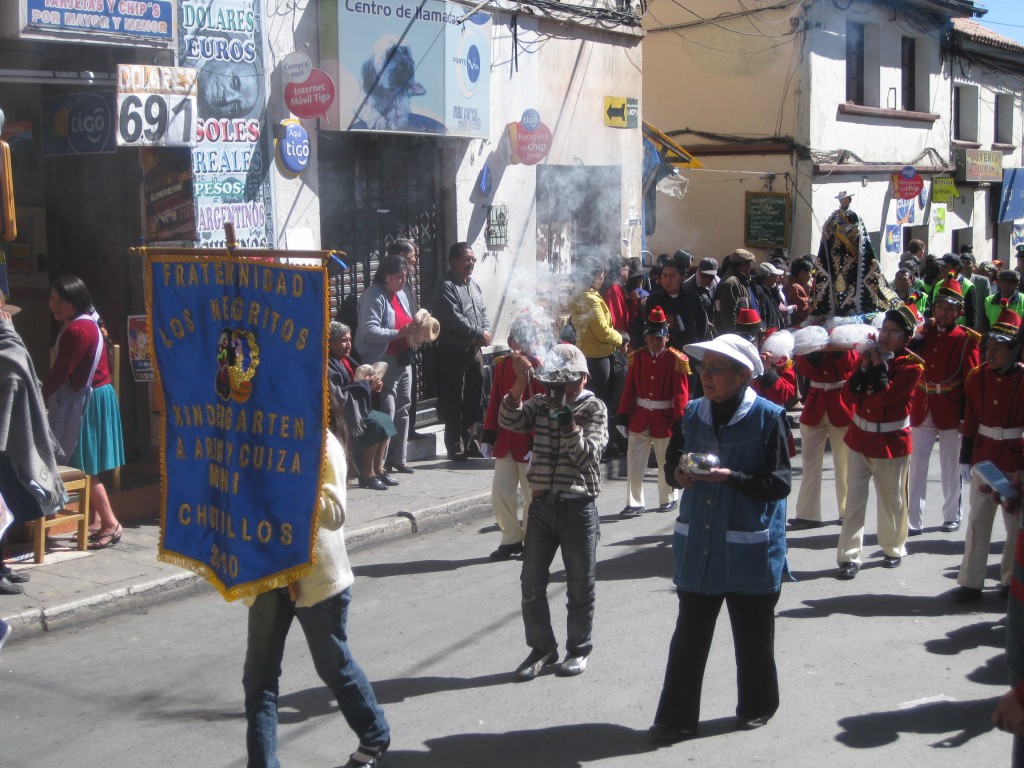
{"type": "Point", "coordinates": [534, 663]}
{"type": "Point", "coordinates": [367, 757]}
{"type": "Point", "coordinates": [505, 551]}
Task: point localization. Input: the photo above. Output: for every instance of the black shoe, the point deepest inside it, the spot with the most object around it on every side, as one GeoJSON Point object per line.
{"type": "Point", "coordinates": [534, 663]}
{"type": "Point", "coordinates": [891, 562]}
{"type": "Point", "coordinates": [460, 456]}
{"type": "Point", "coordinates": [848, 571]}
{"type": "Point", "coordinates": [401, 469]}
{"type": "Point", "coordinates": [914, 532]}
{"type": "Point", "coordinates": [965, 595]}
{"type": "Point", "coordinates": [664, 734]}
{"type": "Point", "coordinates": [387, 480]}
{"type": "Point", "coordinates": [372, 483]}
{"type": "Point", "coordinates": [367, 757]}
{"type": "Point", "coordinates": [751, 723]}
{"type": "Point", "coordinates": [800, 524]}
{"type": "Point", "coordinates": [414, 435]}
{"type": "Point", "coordinates": [1004, 591]}
{"type": "Point", "coordinates": [8, 587]}
{"type": "Point", "coordinates": [505, 551]}
{"type": "Point", "coordinates": [14, 577]}
{"type": "Point", "coordinates": [474, 453]}
{"type": "Point", "coordinates": [629, 512]}
{"type": "Point", "coordinates": [950, 527]}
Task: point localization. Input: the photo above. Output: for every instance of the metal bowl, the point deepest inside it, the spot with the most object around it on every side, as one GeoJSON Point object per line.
{"type": "Point", "coordinates": [698, 463]}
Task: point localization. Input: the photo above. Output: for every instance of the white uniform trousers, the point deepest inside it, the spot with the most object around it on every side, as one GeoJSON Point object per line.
{"type": "Point", "coordinates": [510, 476]}
{"type": "Point", "coordinates": [638, 449]}
{"type": "Point", "coordinates": [890, 476]}
{"type": "Point", "coordinates": [812, 456]}
{"type": "Point", "coordinates": [978, 537]}
{"type": "Point", "coordinates": [922, 440]}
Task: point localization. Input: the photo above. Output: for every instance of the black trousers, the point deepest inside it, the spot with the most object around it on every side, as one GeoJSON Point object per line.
{"type": "Point", "coordinates": [753, 633]}
{"type": "Point", "coordinates": [460, 391]}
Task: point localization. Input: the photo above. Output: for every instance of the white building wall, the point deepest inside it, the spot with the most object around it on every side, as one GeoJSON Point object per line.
{"type": "Point", "coordinates": [737, 77]}
{"type": "Point", "coordinates": [564, 70]}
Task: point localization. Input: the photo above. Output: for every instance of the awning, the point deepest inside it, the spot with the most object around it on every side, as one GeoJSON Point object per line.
{"type": "Point", "coordinates": [1011, 201]}
{"type": "Point", "coordinates": [668, 150]}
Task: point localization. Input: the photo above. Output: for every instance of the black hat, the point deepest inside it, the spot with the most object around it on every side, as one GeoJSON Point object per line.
{"type": "Point", "coordinates": [1010, 274]}
{"type": "Point", "coordinates": [952, 259]}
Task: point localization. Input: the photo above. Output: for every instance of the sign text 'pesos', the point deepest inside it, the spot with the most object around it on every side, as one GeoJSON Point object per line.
{"type": "Point", "coordinates": [240, 348]}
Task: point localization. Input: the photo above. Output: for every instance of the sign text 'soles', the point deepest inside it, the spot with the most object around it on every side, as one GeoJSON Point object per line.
{"type": "Point", "coordinates": [620, 112]}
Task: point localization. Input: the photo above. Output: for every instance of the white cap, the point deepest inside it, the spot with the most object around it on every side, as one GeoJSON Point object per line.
{"type": "Point", "coordinates": [732, 346]}
{"type": "Point", "coordinates": [766, 268]}
{"type": "Point", "coordinates": [566, 358]}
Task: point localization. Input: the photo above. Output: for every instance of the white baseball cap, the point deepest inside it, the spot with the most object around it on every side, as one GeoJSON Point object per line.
{"type": "Point", "coordinates": [732, 346]}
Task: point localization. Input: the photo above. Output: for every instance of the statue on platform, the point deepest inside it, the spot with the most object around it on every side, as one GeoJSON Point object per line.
{"type": "Point", "coordinates": [848, 277]}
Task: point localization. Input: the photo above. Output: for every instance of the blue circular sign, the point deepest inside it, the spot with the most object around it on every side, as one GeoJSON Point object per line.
{"type": "Point", "coordinates": [473, 64]}
{"type": "Point", "coordinates": [293, 148]}
{"type": "Point", "coordinates": [90, 124]}
{"type": "Point", "coordinates": [530, 120]}
{"type": "Point", "coordinates": [908, 172]}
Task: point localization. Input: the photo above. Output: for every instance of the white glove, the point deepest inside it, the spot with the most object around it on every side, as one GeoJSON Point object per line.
{"type": "Point", "coordinates": [965, 473]}
{"type": "Point", "coordinates": [487, 450]}
{"type": "Point", "coordinates": [528, 458]}
{"type": "Point", "coordinates": [623, 430]}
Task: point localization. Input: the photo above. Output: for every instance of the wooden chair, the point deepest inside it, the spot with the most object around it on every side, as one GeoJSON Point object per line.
{"type": "Point", "coordinates": [75, 481]}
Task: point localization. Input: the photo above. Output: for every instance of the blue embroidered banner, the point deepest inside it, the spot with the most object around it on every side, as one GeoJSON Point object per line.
{"type": "Point", "coordinates": [240, 348]}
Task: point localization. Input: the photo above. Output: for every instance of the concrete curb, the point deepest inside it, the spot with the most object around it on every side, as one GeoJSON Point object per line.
{"type": "Point", "coordinates": [182, 583]}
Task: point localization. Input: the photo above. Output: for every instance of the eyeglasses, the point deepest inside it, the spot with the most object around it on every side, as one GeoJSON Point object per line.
{"type": "Point", "coordinates": [468, 259]}
{"type": "Point", "coordinates": [711, 370]}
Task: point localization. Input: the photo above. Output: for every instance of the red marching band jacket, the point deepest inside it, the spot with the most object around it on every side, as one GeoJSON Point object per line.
{"type": "Point", "coordinates": [824, 395]}
{"type": "Point", "coordinates": [880, 427]}
{"type": "Point", "coordinates": [518, 443]}
{"type": "Point", "coordinates": [784, 388]}
{"type": "Point", "coordinates": [656, 392]}
{"type": "Point", "coordinates": [994, 416]}
{"type": "Point", "coordinates": [948, 356]}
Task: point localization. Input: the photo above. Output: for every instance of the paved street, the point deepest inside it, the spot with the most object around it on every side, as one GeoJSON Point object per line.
{"type": "Point", "coordinates": [882, 670]}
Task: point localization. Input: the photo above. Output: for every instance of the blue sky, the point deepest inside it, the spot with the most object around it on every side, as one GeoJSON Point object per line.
{"type": "Point", "coordinates": [1004, 17]}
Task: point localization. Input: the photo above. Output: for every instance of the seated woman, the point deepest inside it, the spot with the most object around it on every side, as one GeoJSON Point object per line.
{"type": "Point", "coordinates": [369, 430]}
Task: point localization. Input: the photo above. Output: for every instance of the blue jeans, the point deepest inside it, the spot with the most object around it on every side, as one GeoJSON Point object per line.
{"type": "Point", "coordinates": [571, 524]}
{"type": "Point", "coordinates": [324, 626]}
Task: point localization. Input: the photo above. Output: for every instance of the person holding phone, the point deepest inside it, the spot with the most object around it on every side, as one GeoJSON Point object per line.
{"type": "Point", "coordinates": [992, 429]}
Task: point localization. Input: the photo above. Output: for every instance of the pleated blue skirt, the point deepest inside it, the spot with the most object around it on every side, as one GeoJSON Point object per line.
{"type": "Point", "coordinates": [100, 444]}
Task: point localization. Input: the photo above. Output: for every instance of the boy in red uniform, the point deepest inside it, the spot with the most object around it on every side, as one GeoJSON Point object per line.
{"type": "Point", "coordinates": [992, 430]}
{"type": "Point", "coordinates": [949, 351]}
{"type": "Point", "coordinates": [826, 415]}
{"type": "Point", "coordinates": [511, 450]}
{"type": "Point", "coordinates": [880, 390]}
{"type": "Point", "coordinates": [778, 382]}
{"type": "Point", "coordinates": [656, 392]}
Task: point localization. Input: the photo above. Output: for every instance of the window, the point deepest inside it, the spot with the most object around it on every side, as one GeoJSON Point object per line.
{"type": "Point", "coordinates": [908, 65]}
{"type": "Point", "coordinates": [854, 62]}
{"type": "Point", "coordinates": [965, 113]}
{"type": "Point", "coordinates": [1004, 119]}
{"type": "Point", "coordinates": [862, 64]}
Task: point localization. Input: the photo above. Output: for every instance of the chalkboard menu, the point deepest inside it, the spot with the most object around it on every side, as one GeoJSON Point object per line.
{"type": "Point", "coordinates": [766, 218]}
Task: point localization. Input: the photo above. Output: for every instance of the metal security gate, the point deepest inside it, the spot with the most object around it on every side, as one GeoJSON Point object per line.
{"type": "Point", "coordinates": [375, 189]}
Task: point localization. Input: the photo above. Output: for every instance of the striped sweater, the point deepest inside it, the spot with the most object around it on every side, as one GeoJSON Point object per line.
{"type": "Point", "coordinates": [570, 463]}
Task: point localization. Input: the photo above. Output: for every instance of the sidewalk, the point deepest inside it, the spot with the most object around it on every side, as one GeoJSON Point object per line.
{"type": "Point", "coordinates": [70, 588]}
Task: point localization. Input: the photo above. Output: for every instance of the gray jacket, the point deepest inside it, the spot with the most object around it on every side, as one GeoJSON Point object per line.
{"type": "Point", "coordinates": [377, 322]}
{"type": "Point", "coordinates": [460, 310]}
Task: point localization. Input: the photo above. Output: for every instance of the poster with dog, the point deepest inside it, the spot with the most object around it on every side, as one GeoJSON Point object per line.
{"type": "Point", "coordinates": [418, 66]}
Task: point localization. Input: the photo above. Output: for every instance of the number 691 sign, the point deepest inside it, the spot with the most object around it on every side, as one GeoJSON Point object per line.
{"type": "Point", "coordinates": [156, 106]}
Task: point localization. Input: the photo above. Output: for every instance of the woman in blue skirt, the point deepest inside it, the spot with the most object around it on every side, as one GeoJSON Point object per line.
{"type": "Point", "coordinates": [82, 358]}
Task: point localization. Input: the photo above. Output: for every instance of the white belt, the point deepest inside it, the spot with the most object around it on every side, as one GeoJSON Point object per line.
{"type": "Point", "coordinates": [653, 405]}
{"type": "Point", "coordinates": [885, 426]}
{"type": "Point", "coordinates": [997, 433]}
{"type": "Point", "coordinates": [827, 384]}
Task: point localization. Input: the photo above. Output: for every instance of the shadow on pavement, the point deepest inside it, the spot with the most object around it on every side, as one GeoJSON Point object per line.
{"type": "Point", "coordinates": [648, 563]}
{"type": "Point", "coordinates": [876, 605]}
{"type": "Point", "coordinates": [566, 746]}
{"type": "Point", "coordinates": [956, 721]}
{"type": "Point", "coordinates": [984, 634]}
{"type": "Point", "coordinates": [383, 570]}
